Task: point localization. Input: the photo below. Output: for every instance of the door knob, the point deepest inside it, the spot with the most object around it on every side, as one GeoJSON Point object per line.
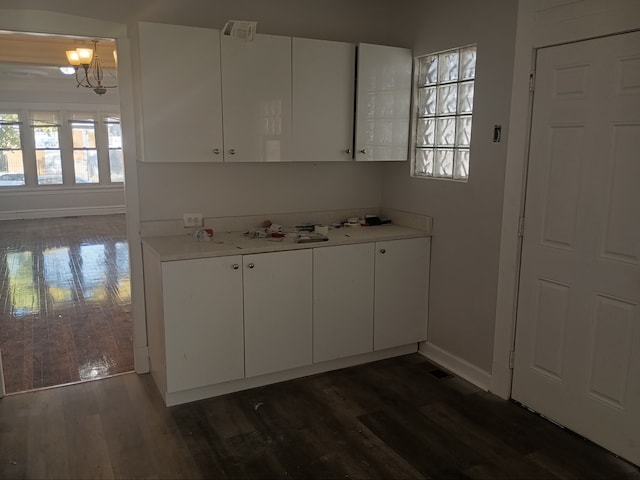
{"type": "Point", "coordinates": [216, 151]}
{"type": "Point", "coordinates": [363, 151]}
{"type": "Point", "coordinates": [251, 265]}
{"type": "Point", "coordinates": [232, 151]}
{"type": "Point", "coordinates": [382, 250]}
{"type": "Point", "coordinates": [235, 266]}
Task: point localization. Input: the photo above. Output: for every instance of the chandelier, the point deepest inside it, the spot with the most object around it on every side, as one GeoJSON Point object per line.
{"type": "Point", "coordinates": [88, 69]}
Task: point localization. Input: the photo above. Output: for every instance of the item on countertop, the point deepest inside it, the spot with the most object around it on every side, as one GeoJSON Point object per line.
{"type": "Point", "coordinates": [308, 237]}
{"type": "Point", "coordinates": [321, 229]}
{"type": "Point", "coordinates": [204, 234]}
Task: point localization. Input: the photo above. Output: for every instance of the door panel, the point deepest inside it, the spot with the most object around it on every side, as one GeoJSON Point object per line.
{"type": "Point", "coordinates": [578, 329]}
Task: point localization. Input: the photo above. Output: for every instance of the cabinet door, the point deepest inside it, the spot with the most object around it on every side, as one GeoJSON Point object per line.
{"type": "Point", "coordinates": [277, 311]}
{"type": "Point", "coordinates": [383, 103]}
{"type": "Point", "coordinates": [256, 79]}
{"type": "Point", "coordinates": [401, 292]}
{"type": "Point", "coordinates": [203, 321]}
{"type": "Point", "coordinates": [342, 301]}
{"type": "Point", "coordinates": [323, 100]}
{"type": "Point", "coordinates": [180, 86]}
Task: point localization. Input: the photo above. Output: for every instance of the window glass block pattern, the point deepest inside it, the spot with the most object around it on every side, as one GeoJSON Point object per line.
{"type": "Point", "coordinates": [444, 112]}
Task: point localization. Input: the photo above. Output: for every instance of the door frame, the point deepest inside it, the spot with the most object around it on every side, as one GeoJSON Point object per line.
{"type": "Point", "coordinates": [539, 24]}
{"type": "Point", "coordinates": [62, 24]}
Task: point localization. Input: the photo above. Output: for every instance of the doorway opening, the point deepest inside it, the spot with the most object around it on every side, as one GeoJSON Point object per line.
{"type": "Point", "coordinates": [65, 288]}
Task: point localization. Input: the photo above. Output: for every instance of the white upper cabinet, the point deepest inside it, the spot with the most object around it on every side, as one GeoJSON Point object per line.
{"type": "Point", "coordinates": [383, 103]}
{"type": "Point", "coordinates": [256, 83]}
{"type": "Point", "coordinates": [180, 93]}
{"type": "Point", "coordinates": [323, 100]}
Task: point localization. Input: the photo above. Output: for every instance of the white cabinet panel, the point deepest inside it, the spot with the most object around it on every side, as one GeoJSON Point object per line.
{"type": "Point", "coordinates": [401, 292]}
{"type": "Point", "coordinates": [277, 311]}
{"type": "Point", "coordinates": [180, 88]}
{"type": "Point", "coordinates": [323, 100]}
{"type": "Point", "coordinates": [203, 321]}
{"type": "Point", "coordinates": [342, 301]}
{"type": "Point", "coordinates": [256, 81]}
{"type": "Point", "coordinates": [383, 103]}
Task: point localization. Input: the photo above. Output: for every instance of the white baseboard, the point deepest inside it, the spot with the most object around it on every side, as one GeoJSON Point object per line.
{"type": "Point", "coordinates": [62, 212]}
{"type": "Point", "coordinates": [456, 365]}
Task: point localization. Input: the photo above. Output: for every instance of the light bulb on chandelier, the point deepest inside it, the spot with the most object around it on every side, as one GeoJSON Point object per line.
{"type": "Point", "coordinates": [88, 68]}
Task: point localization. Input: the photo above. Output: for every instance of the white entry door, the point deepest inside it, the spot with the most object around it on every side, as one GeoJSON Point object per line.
{"type": "Point", "coordinates": [577, 357]}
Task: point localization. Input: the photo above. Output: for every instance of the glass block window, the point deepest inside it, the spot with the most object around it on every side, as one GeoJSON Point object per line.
{"type": "Point", "coordinates": [444, 110]}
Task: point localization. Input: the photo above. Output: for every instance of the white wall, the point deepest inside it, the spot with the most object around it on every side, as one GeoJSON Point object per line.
{"type": "Point", "coordinates": [467, 216]}
{"type": "Point", "coordinates": [222, 190]}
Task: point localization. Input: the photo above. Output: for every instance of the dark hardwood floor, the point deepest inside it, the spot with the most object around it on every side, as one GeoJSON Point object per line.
{"type": "Point", "coordinates": [401, 418]}
{"type": "Point", "coordinates": [65, 300]}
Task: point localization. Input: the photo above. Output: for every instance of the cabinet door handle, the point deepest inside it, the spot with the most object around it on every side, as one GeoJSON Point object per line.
{"type": "Point", "coordinates": [232, 151]}
{"type": "Point", "coordinates": [363, 151]}
{"type": "Point", "coordinates": [382, 250]}
{"type": "Point", "coordinates": [251, 265]}
{"type": "Point", "coordinates": [216, 151]}
{"type": "Point", "coordinates": [348, 151]}
{"type": "Point", "coordinates": [235, 266]}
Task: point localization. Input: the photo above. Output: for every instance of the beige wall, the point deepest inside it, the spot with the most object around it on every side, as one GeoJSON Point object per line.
{"type": "Point", "coordinates": [467, 216]}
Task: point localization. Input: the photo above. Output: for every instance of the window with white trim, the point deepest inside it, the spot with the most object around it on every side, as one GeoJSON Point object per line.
{"type": "Point", "coordinates": [443, 114]}
{"type": "Point", "coordinates": [11, 161]}
{"type": "Point", "coordinates": [46, 136]}
{"type": "Point", "coordinates": [61, 148]}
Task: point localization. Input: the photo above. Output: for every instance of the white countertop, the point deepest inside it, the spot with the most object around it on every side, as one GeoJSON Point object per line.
{"type": "Point", "coordinates": [185, 247]}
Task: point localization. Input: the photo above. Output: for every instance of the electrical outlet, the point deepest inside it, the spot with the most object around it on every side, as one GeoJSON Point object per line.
{"type": "Point", "coordinates": [192, 220]}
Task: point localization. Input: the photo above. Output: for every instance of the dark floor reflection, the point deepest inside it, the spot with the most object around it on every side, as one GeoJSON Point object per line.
{"type": "Point", "coordinates": [65, 300]}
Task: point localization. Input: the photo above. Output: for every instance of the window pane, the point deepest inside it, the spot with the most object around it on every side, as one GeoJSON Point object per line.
{"type": "Point", "coordinates": [115, 135]}
{"type": "Point", "coordinates": [461, 168]}
{"type": "Point", "coordinates": [11, 165]}
{"type": "Point", "coordinates": [84, 135]}
{"type": "Point", "coordinates": [426, 133]}
{"type": "Point", "coordinates": [49, 165]}
{"type": "Point", "coordinates": [465, 97]}
{"type": "Point", "coordinates": [12, 178]}
{"type": "Point", "coordinates": [447, 99]}
{"type": "Point", "coordinates": [424, 161]}
{"type": "Point", "coordinates": [427, 102]}
{"type": "Point", "coordinates": [463, 131]}
{"type": "Point", "coordinates": [448, 66]}
{"type": "Point", "coordinates": [468, 63]}
{"type": "Point", "coordinates": [445, 131]}
{"type": "Point", "coordinates": [86, 166]}
{"type": "Point", "coordinates": [444, 163]}
{"type": "Point", "coordinates": [428, 70]}
{"type": "Point", "coordinates": [46, 137]}
{"type": "Point", "coordinates": [116, 166]}
{"type": "Point", "coordinates": [10, 136]}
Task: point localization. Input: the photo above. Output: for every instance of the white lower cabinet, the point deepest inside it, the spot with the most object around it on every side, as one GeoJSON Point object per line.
{"type": "Point", "coordinates": [203, 331]}
{"type": "Point", "coordinates": [277, 311]}
{"type": "Point", "coordinates": [220, 319]}
{"type": "Point", "coordinates": [401, 292]}
{"type": "Point", "coordinates": [342, 301]}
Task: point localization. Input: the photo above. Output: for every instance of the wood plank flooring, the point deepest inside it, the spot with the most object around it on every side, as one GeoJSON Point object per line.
{"type": "Point", "coordinates": [401, 418]}
{"type": "Point", "coordinates": [65, 300]}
